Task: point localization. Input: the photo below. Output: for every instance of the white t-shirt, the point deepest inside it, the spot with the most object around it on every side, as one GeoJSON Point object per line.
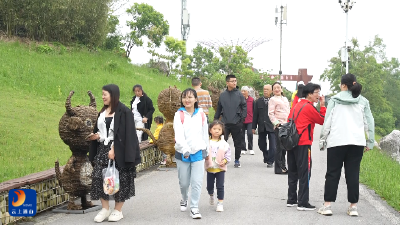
{"type": "Point", "coordinates": [135, 112]}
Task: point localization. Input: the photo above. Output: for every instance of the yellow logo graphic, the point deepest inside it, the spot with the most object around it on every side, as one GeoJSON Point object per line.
{"type": "Point", "coordinates": [21, 198]}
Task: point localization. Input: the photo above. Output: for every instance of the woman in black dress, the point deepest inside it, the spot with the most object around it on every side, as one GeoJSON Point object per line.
{"type": "Point", "coordinates": [142, 109]}
{"type": "Point", "coordinates": [111, 139]}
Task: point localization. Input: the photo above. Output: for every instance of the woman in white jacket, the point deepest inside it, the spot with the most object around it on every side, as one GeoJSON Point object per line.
{"type": "Point", "coordinates": [348, 119]}
{"type": "Point", "coordinates": [191, 147]}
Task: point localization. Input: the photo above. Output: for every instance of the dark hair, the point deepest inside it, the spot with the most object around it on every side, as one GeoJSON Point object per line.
{"type": "Point", "coordinates": [216, 122]}
{"type": "Point", "coordinates": [279, 85]}
{"type": "Point", "coordinates": [300, 90]}
{"type": "Point", "coordinates": [187, 91]}
{"type": "Point", "coordinates": [310, 88]}
{"type": "Point", "coordinates": [140, 87]}
{"type": "Point", "coordinates": [228, 77]}
{"type": "Point", "coordinates": [351, 82]}
{"type": "Point", "coordinates": [159, 119]}
{"type": "Point", "coordinates": [114, 97]}
{"type": "Point", "coordinates": [196, 81]}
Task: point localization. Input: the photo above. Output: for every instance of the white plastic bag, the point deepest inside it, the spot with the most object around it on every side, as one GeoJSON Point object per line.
{"type": "Point", "coordinates": [110, 179]}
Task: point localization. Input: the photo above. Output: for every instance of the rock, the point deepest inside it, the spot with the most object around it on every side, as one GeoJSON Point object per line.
{"type": "Point", "coordinates": [391, 144]}
{"type": "Point", "coordinates": [377, 145]}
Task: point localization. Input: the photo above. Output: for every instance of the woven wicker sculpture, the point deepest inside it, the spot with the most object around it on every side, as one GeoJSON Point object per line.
{"type": "Point", "coordinates": [169, 101]}
{"type": "Point", "coordinates": [75, 125]}
{"type": "Point", "coordinates": [215, 92]}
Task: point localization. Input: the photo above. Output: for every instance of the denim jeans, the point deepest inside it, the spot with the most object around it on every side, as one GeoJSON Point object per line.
{"type": "Point", "coordinates": [191, 173]}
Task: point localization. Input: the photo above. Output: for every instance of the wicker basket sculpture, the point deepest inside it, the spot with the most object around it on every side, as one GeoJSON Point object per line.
{"type": "Point", "coordinates": [215, 92]}
{"type": "Point", "coordinates": [169, 101]}
{"type": "Point", "coordinates": [75, 125]}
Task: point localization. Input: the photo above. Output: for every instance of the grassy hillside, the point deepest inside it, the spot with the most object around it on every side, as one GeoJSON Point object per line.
{"type": "Point", "coordinates": [34, 87]}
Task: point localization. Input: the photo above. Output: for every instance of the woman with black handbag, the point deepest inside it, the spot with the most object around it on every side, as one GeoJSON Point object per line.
{"type": "Point", "coordinates": [278, 112]}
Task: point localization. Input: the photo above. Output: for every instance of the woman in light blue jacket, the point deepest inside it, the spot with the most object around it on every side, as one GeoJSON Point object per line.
{"type": "Point", "coordinates": [348, 119]}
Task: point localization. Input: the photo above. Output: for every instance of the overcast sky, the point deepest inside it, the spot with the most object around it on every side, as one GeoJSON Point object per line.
{"type": "Point", "coordinates": [314, 33]}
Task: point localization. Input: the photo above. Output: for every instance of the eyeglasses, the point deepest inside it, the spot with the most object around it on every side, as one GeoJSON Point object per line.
{"type": "Point", "coordinates": [233, 81]}
{"type": "Point", "coordinates": [317, 92]}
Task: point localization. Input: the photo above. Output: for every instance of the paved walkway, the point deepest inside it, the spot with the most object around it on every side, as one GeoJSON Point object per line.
{"type": "Point", "coordinates": [253, 195]}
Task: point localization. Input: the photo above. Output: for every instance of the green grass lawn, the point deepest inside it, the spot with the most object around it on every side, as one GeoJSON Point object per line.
{"type": "Point", "coordinates": [382, 173]}
{"type": "Point", "coordinates": [34, 88]}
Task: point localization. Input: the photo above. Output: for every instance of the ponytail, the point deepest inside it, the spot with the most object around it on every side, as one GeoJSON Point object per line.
{"type": "Point", "coordinates": [351, 82]}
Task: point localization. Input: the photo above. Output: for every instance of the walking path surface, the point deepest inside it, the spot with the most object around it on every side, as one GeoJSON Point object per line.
{"type": "Point", "coordinates": [253, 195]}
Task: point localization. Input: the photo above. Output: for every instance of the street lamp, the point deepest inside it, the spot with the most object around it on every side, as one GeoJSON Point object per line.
{"type": "Point", "coordinates": [283, 16]}
{"type": "Point", "coordinates": [346, 5]}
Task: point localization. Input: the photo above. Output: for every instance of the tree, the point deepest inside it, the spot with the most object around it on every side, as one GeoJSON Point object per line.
{"type": "Point", "coordinates": [113, 40]}
{"type": "Point", "coordinates": [146, 22]}
{"type": "Point", "coordinates": [233, 60]}
{"type": "Point", "coordinates": [176, 49]}
{"type": "Point", "coordinates": [376, 74]}
{"type": "Point", "coordinates": [203, 62]}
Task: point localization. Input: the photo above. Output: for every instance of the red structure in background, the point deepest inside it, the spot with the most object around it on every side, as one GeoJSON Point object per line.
{"type": "Point", "coordinates": [302, 76]}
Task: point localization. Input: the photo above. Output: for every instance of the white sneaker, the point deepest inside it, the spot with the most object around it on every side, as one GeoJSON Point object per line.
{"type": "Point", "coordinates": [352, 211]}
{"type": "Point", "coordinates": [251, 152]}
{"type": "Point", "coordinates": [220, 207]}
{"type": "Point", "coordinates": [211, 199]}
{"type": "Point", "coordinates": [184, 205]}
{"type": "Point", "coordinates": [102, 215]}
{"type": "Point", "coordinates": [115, 216]}
{"type": "Point", "coordinates": [243, 152]}
{"type": "Point", "coordinates": [195, 213]}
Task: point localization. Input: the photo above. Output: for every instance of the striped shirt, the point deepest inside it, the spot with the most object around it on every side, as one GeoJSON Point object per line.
{"type": "Point", "coordinates": [204, 99]}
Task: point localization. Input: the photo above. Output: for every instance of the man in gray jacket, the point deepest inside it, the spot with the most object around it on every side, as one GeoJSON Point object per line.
{"type": "Point", "coordinates": [234, 108]}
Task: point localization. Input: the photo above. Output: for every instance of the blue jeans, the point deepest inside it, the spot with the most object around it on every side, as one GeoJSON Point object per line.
{"type": "Point", "coordinates": [220, 179]}
{"type": "Point", "coordinates": [191, 173]}
{"type": "Point", "coordinates": [262, 144]}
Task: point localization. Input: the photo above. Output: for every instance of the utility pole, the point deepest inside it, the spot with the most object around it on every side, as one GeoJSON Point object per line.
{"type": "Point", "coordinates": [346, 5]}
{"type": "Point", "coordinates": [283, 13]}
{"type": "Point", "coordinates": [185, 26]}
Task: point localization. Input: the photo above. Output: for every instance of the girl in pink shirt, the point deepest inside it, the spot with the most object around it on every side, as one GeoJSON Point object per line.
{"type": "Point", "coordinates": [278, 112]}
{"type": "Point", "coordinates": [218, 156]}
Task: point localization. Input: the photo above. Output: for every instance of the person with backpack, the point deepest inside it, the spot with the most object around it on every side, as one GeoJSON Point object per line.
{"type": "Point", "coordinates": [299, 158]}
{"type": "Point", "coordinates": [191, 148]}
{"type": "Point", "coordinates": [348, 118]}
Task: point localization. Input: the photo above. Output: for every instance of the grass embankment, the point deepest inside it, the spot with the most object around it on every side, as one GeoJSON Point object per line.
{"type": "Point", "coordinates": [382, 174]}
{"type": "Point", "coordinates": [34, 88]}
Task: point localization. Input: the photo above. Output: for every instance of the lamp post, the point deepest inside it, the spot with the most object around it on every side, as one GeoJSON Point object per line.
{"type": "Point", "coordinates": [346, 5]}
{"type": "Point", "coordinates": [185, 26]}
{"type": "Point", "coordinates": [283, 16]}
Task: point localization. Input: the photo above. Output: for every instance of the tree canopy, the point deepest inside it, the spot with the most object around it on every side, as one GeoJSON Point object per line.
{"type": "Point", "coordinates": [379, 77]}
{"type": "Point", "coordinates": [146, 22]}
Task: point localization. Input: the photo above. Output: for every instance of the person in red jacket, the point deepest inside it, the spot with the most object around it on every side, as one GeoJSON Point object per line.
{"type": "Point", "coordinates": [248, 122]}
{"type": "Point", "coordinates": [299, 158]}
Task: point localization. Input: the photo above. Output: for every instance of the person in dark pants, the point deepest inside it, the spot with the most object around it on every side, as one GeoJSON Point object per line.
{"type": "Point", "coordinates": [265, 127]}
{"type": "Point", "coordinates": [232, 102]}
{"type": "Point", "coordinates": [343, 134]}
{"type": "Point", "coordinates": [278, 112]}
{"type": "Point", "coordinates": [247, 124]}
{"type": "Point", "coordinates": [299, 158]}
